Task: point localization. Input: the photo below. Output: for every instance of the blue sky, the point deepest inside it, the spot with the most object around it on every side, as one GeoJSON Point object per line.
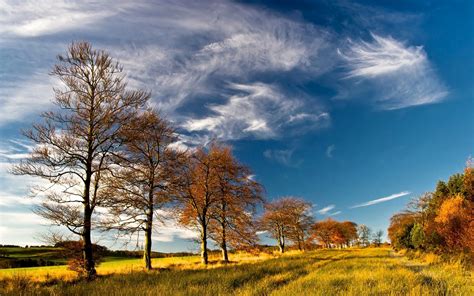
{"type": "Point", "coordinates": [341, 103]}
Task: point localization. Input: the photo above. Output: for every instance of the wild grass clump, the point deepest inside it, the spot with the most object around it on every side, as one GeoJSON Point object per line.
{"type": "Point", "coordinates": [18, 284]}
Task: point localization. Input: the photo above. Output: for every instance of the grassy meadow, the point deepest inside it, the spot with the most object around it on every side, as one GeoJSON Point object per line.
{"type": "Point", "coordinates": [371, 271]}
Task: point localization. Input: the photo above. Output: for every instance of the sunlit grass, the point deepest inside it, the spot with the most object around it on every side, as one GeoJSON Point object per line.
{"type": "Point", "coordinates": [121, 266]}
{"type": "Point", "coordinates": [372, 271]}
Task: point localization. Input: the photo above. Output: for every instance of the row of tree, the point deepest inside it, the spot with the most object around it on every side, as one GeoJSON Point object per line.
{"type": "Point", "coordinates": [441, 221]}
{"type": "Point", "coordinates": [290, 219]}
{"type": "Point", "coordinates": [104, 148]}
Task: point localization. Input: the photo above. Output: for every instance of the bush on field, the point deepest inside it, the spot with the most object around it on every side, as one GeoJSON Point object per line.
{"type": "Point", "coordinates": [73, 251]}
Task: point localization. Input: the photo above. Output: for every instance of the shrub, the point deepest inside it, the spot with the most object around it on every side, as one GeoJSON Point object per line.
{"type": "Point", "coordinates": [73, 251]}
{"type": "Point", "coordinates": [417, 236]}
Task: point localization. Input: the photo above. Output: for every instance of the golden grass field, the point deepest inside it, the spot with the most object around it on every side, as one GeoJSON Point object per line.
{"type": "Point", "coordinates": [371, 271]}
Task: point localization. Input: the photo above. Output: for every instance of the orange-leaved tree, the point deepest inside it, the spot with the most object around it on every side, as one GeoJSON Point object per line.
{"type": "Point", "coordinates": [232, 224]}
{"type": "Point", "coordinates": [334, 233]}
{"type": "Point", "coordinates": [287, 218]}
{"type": "Point", "coordinates": [144, 179]}
{"type": "Point", "coordinates": [198, 193]}
{"type": "Point", "coordinates": [454, 222]}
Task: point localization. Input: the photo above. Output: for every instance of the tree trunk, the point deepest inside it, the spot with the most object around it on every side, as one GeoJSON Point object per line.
{"type": "Point", "coordinates": [89, 265]}
{"type": "Point", "coordinates": [225, 256]}
{"type": "Point", "coordinates": [204, 257]}
{"type": "Point", "coordinates": [281, 244]}
{"type": "Point", "coordinates": [148, 232]}
{"type": "Point", "coordinates": [147, 250]}
{"type": "Point", "coordinates": [300, 246]}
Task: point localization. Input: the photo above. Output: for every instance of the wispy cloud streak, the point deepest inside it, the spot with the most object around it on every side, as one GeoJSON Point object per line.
{"type": "Point", "coordinates": [383, 199]}
{"type": "Point", "coordinates": [326, 209]}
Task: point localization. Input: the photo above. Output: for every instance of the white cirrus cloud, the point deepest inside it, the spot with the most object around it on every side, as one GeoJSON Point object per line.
{"type": "Point", "coordinates": [382, 199]}
{"type": "Point", "coordinates": [183, 52]}
{"type": "Point", "coordinates": [326, 209]}
{"type": "Point", "coordinates": [398, 75]}
{"type": "Point", "coordinates": [37, 18]}
{"type": "Point", "coordinates": [20, 100]}
{"type": "Point", "coordinates": [381, 57]}
{"type": "Point", "coordinates": [259, 110]}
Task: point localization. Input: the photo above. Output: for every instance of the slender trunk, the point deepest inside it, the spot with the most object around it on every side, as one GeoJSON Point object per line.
{"type": "Point", "coordinates": [281, 239]}
{"type": "Point", "coordinates": [300, 245]}
{"type": "Point", "coordinates": [282, 246]}
{"type": "Point", "coordinates": [225, 256]}
{"type": "Point", "coordinates": [89, 264]}
{"type": "Point", "coordinates": [204, 257]}
{"type": "Point", "coordinates": [148, 230]}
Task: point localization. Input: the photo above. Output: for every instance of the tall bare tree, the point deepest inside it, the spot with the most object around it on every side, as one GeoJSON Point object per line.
{"type": "Point", "coordinates": [237, 198]}
{"type": "Point", "coordinates": [364, 233]}
{"type": "Point", "coordinates": [377, 238]}
{"type": "Point", "coordinates": [74, 144]}
{"type": "Point", "coordinates": [144, 178]}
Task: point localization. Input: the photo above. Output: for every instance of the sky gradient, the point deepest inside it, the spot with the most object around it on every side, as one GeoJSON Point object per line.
{"type": "Point", "coordinates": [354, 106]}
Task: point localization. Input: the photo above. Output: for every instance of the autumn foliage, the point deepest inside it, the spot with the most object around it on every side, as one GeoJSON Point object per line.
{"type": "Point", "coordinates": [217, 197]}
{"type": "Point", "coordinates": [331, 233]}
{"type": "Point", "coordinates": [441, 221]}
{"type": "Point", "coordinates": [287, 219]}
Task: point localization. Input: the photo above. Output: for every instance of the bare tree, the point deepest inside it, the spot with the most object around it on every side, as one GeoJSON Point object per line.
{"type": "Point", "coordinates": [53, 237]}
{"type": "Point", "coordinates": [377, 239]}
{"type": "Point", "coordinates": [364, 233]}
{"type": "Point", "coordinates": [144, 178]}
{"type": "Point", "coordinates": [74, 144]}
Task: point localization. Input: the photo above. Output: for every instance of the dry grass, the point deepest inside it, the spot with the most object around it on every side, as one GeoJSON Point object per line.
{"type": "Point", "coordinates": [125, 266]}
{"type": "Point", "coordinates": [373, 271]}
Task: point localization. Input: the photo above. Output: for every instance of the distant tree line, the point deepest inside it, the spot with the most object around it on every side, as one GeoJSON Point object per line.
{"type": "Point", "coordinates": [289, 220]}
{"type": "Point", "coordinates": [441, 221]}
{"type": "Point", "coordinates": [103, 146]}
